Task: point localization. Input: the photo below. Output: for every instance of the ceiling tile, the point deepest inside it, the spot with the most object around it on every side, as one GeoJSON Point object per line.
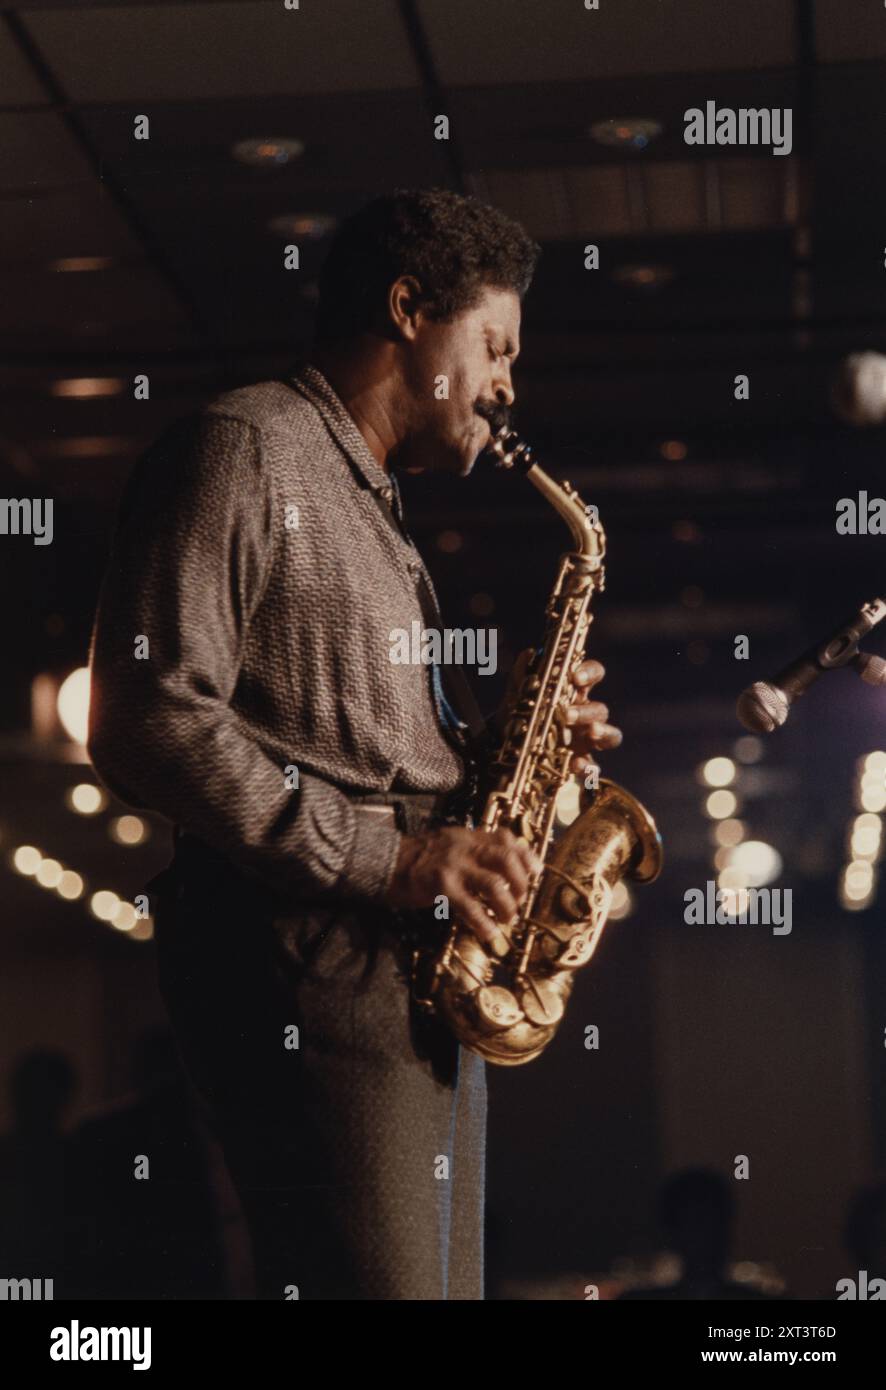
{"type": "Point", "coordinates": [846, 31]}
{"type": "Point", "coordinates": [18, 84]}
{"type": "Point", "coordinates": [122, 306]}
{"type": "Point", "coordinates": [140, 53]}
{"type": "Point", "coordinates": [63, 222]}
{"type": "Point", "coordinates": [549, 123]}
{"type": "Point", "coordinates": [36, 151]}
{"type": "Point", "coordinates": [559, 40]}
{"type": "Point", "coordinates": [192, 141]}
{"type": "Point", "coordinates": [630, 198]}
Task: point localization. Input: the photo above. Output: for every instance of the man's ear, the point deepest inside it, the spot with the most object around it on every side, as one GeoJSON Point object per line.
{"type": "Point", "coordinates": [403, 306]}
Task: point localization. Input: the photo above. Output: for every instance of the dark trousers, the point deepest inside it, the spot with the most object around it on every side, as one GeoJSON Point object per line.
{"type": "Point", "coordinates": [353, 1127]}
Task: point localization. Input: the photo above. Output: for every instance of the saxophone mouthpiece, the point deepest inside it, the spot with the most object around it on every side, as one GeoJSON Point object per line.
{"type": "Point", "coordinates": [508, 449]}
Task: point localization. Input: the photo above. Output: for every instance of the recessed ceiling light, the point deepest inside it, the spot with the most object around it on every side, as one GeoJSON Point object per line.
{"type": "Point", "coordinates": [268, 152]}
{"type": "Point", "coordinates": [643, 277]}
{"type": "Point", "coordinates": [309, 225]}
{"type": "Point", "coordinates": [674, 450]}
{"type": "Point", "coordinates": [625, 132]}
{"type": "Point", "coordinates": [79, 263]}
{"type": "Point", "coordinates": [84, 387]}
{"type": "Point", "coordinates": [85, 447]}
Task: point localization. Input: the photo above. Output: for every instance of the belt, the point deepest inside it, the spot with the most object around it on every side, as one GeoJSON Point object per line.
{"type": "Point", "coordinates": [411, 812]}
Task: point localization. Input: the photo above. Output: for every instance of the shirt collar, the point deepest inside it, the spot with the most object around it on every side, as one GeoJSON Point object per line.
{"type": "Point", "coordinates": [310, 381]}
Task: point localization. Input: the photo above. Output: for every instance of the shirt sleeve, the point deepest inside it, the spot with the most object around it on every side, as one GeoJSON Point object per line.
{"type": "Point", "coordinates": [189, 562]}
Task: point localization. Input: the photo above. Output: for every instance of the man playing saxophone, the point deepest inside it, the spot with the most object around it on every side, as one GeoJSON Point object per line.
{"type": "Point", "coordinates": [242, 688]}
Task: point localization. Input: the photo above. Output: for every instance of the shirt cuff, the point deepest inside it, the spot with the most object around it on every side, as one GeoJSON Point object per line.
{"type": "Point", "coordinates": [374, 851]}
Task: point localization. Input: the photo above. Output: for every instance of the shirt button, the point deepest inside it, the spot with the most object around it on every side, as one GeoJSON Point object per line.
{"type": "Point", "coordinates": [414, 568]}
{"type": "Point", "coordinates": [386, 494]}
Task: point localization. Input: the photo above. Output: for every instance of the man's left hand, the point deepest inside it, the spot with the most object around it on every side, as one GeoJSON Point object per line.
{"type": "Point", "coordinates": [586, 718]}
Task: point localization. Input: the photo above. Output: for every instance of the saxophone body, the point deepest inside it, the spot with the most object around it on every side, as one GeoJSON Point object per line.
{"type": "Point", "coordinates": [508, 1008]}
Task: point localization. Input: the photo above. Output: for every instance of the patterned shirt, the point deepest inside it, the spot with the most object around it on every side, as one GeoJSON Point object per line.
{"type": "Point", "coordinates": [243, 642]}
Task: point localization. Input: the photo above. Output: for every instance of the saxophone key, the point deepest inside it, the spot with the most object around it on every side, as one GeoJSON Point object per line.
{"type": "Point", "coordinates": [579, 950]}
{"type": "Point", "coordinates": [542, 1002]}
{"type": "Point", "coordinates": [496, 1008]}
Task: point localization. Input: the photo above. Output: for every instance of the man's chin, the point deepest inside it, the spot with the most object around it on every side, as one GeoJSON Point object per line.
{"type": "Point", "coordinates": [457, 462]}
{"type": "Point", "coordinates": [462, 465]}
{"type": "Point", "coordinates": [469, 464]}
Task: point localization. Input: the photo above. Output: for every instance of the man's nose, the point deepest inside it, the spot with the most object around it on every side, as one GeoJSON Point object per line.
{"type": "Point", "coordinates": [503, 389]}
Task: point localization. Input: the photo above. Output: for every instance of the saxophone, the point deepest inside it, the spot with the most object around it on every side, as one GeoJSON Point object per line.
{"type": "Point", "coordinates": [508, 1008]}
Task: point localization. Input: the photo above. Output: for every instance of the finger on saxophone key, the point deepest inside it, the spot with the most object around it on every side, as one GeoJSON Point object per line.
{"type": "Point", "coordinates": [534, 863]}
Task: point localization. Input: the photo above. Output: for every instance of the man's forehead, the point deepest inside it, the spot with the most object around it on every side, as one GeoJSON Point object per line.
{"type": "Point", "coordinates": [500, 312]}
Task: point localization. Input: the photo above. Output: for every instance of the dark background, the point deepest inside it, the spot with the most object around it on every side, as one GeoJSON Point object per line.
{"type": "Point", "coordinates": [715, 1041]}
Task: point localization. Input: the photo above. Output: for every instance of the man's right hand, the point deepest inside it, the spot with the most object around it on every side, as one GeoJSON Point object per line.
{"type": "Point", "coordinates": [474, 869]}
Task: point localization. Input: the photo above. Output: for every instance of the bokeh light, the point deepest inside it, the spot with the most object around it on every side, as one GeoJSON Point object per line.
{"type": "Point", "coordinates": [125, 917]}
{"type": "Point", "coordinates": [49, 873]}
{"type": "Point", "coordinates": [86, 798]}
{"type": "Point", "coordinates": [27, 860]}
{"type": "Point", "coordinates": [128, 830]}
{"type": "Point", "coordinates": [758, 862]}
{"type": "Point", "coordinates": [729, 832]}
{"type": "Point", "coordinates": [568, 803]}
{"type": "Point", "coordinates": [73, 704]}
{"type": "Point", "coordinates": [70, 885]}
{"type": "Point", "coordinates": [721, 804]}
{"type": "Point", "coordinates": [718, 772]}
{"type": "Point", "coordinates": [104, 905]}
{"type": "Point", "coordinates": [866, 836]}
{"type": "Point", "coordinates": [748, 749]}
{"type": "Point", "coordinates": [622, 904]}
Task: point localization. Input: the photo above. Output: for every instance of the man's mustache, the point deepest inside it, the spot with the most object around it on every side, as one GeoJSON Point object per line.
{"type": "Point", "coordinates": [497, 415]}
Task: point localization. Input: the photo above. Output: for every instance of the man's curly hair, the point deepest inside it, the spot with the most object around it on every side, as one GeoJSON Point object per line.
{"type": "Point", "coordinates": [455, 247]}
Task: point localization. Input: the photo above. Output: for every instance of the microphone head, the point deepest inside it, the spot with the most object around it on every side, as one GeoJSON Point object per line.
{"type": "Point", "coordinates": [762, 708]}
{"type": "Point", "coordinates": [871, 668]}
{"type": "Point", "coordinates": [858, 392]}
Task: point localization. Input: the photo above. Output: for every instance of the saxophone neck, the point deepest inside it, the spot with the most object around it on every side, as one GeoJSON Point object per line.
{"type": "Point", "coordinates": [588, 536]}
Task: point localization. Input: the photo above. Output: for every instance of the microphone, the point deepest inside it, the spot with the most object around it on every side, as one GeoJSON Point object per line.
{"type": "Point", "coordinates": [764, 706]}
{"type": "Point", "coordinates": [871, 668]}
{"type": "Point", "coordinates": [858, 391]}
